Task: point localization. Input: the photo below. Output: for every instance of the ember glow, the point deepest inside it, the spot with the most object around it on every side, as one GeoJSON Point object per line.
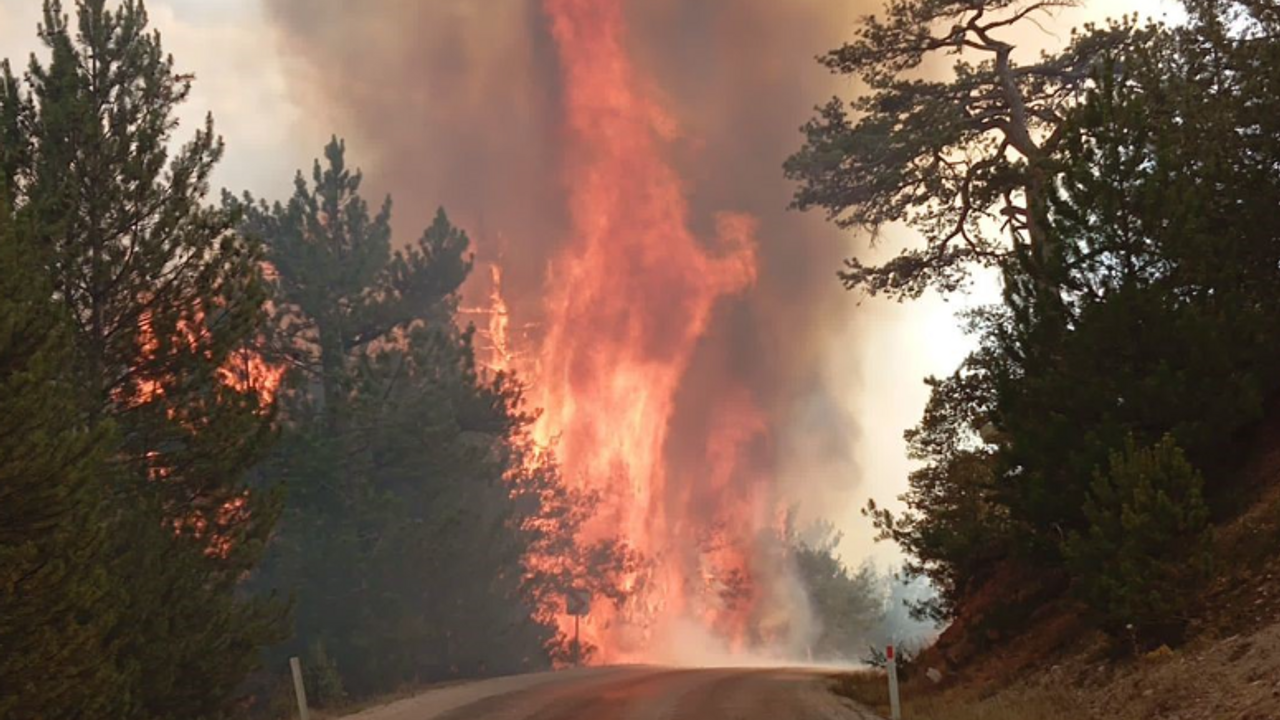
{"type": "Point", "coordinates": [247, 371]}
{"type": "Point", "coordinates": [244, 370]}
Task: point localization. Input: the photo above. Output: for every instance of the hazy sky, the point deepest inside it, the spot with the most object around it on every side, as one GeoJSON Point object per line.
{"type": "Point", "coordinates": [271, 130]}
{"type": "Point", "coordinates": [239, 78]}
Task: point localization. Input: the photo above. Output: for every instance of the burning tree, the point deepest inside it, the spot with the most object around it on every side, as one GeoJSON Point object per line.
{"type": "Point", "coordinates": [631, 295]}
{"type": "Point", "coordinates": [415, 493]}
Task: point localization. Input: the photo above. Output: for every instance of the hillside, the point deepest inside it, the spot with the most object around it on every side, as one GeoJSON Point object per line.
{"type": "Point", "coordinates": [1058, 666]}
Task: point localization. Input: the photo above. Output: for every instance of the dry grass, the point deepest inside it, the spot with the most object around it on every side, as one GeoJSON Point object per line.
{"type": "Point", "coordinates": [921, 702]}
{"type": "Point", "coordinates": [866, 687]}
{"type": "Point", "coordinates": [1236, 677]}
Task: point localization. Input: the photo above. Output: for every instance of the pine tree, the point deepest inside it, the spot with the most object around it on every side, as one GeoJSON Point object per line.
{"type": "Point", "coordinates": [846, 606]}
{"type": "Point", "coordinates": [1166, 194]}
{"type": "Point", "coordinates": [339, 283]}
{"type": "Point", "coordinates": [55, 596]}
{"type": "Point", "coordinates": [1147, 545]}
{"type": "Point", "coordinates": [1162, 217]}
{"type": "Point", "coordinates": [953, 158]}
{"type": "Point", "coordinates": [400, 536]}
{"type": "Point", "coordinates": [161, 294]}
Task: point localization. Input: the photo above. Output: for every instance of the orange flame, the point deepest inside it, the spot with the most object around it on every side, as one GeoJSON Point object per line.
{"type": "Point", "coordinates": [245, 370]}
{"type": "Point", "coordinates": [499, 322]}
{"type": "Point", "coordinates": [631, 294]}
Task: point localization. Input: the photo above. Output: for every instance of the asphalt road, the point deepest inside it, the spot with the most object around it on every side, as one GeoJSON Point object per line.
{"type": "Point", "coordinates": [633, 693]}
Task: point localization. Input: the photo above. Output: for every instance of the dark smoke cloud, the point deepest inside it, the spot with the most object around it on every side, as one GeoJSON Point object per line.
{"type": "Point", "coordinates": [445, 103]}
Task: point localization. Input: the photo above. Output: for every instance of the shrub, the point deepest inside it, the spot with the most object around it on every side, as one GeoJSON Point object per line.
{"type": "Point", "coordinates": [323, 681]}
{"type": "Point", "coordinates": [1146, 549]}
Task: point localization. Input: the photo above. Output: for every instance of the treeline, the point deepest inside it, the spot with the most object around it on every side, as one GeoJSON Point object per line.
{"type": "Point", "coordinates": [416, 504]}
{"type": "Point", "coordinates": [1127, 191]}
{"type": "Point", "coordinates": [854, 613]}
{"type": "Point", "coordinates": [237, 431]}
{"type": "Point", "coordinates": [403, 535]}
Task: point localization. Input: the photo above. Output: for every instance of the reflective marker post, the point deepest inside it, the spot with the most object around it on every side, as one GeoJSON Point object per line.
{"type": "Point", "coordinates": [891, 664]}
{"type": "Point", "coordinates": [299, 689]}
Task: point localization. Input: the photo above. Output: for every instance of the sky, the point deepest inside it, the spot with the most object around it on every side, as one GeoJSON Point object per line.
{"type": "Point", "coordinates": [873, 361]}
{"type": "Point", "coordinates": [239, 78]}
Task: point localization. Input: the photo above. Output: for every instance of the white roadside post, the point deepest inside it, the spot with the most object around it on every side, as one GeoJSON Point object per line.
{"type": "Point", "coordinates": [299, 689]}
{"type": "Point", "coordinates": [891, 664]}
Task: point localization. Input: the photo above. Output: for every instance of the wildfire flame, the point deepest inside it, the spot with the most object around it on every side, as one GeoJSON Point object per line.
{"type": "Point", "coordinates": [563, 142]}
{"type": "Point", "coordinates": [244, 371]}
{"type": "Point", "coordinates": [630, 295]}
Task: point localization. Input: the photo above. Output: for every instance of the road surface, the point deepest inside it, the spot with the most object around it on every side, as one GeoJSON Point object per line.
{"type": "Point", "coordinates": [632, 693]}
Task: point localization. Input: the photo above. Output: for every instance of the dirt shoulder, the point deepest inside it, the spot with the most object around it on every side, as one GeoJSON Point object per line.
{"type": "Point", "coordinates": [1236, 677]}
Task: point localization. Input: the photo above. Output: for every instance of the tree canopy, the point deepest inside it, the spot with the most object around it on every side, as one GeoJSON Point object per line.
{"type": "Point", "coordinates": [962, 160]}
{"type": "Point", "coordinates": [1115, 399]}
{"type": "Point", "coordinates": [157, 300]}
{"type": "Point", "coordinates": [414, 491]}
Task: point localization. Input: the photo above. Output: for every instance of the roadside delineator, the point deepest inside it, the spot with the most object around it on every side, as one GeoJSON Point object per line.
{"type": "Point", "coordinates": [299, 688]}
{"type": "Point", "coordinates": [891, 665]}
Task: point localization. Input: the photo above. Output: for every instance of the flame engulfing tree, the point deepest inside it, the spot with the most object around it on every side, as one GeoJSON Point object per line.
{"type": "Point", "coordinates": [162, 298]}
{"type": "Point", "coordinates": [413, 489]}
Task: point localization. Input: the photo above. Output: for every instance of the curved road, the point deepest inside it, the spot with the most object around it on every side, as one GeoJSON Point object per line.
{"type": "Point", "coordinates": [633, 693]}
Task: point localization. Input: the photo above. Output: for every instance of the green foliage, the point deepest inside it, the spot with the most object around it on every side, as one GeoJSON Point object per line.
{"type": "Point", "coordinates": [550, 515]}
{"type": "Point", "coordinates": [1146, 544]}
{"type": "Point", "coordinates": [952, 158]}
{"type": "Point", "coordinates": [412, 485]}
{"type": "Point", "coordinates": [340, 286]}
{"type": "Point", "coordinates": [189, 635]}
{"type": "Point", "coordinates": [160, 295]}
{"type": "Point", "coordinates": [1164, 210]}
{"type": "Point", "coordinates": [322, 679]}
{"type": "Point", "coordinates": [55, 597]}
{"type": "Point", "coordinates": [954, 524]}
{"type": "Point", "coordinates": [1143, 314]}
{"type": "Point", "coordinates": [847, 607]}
